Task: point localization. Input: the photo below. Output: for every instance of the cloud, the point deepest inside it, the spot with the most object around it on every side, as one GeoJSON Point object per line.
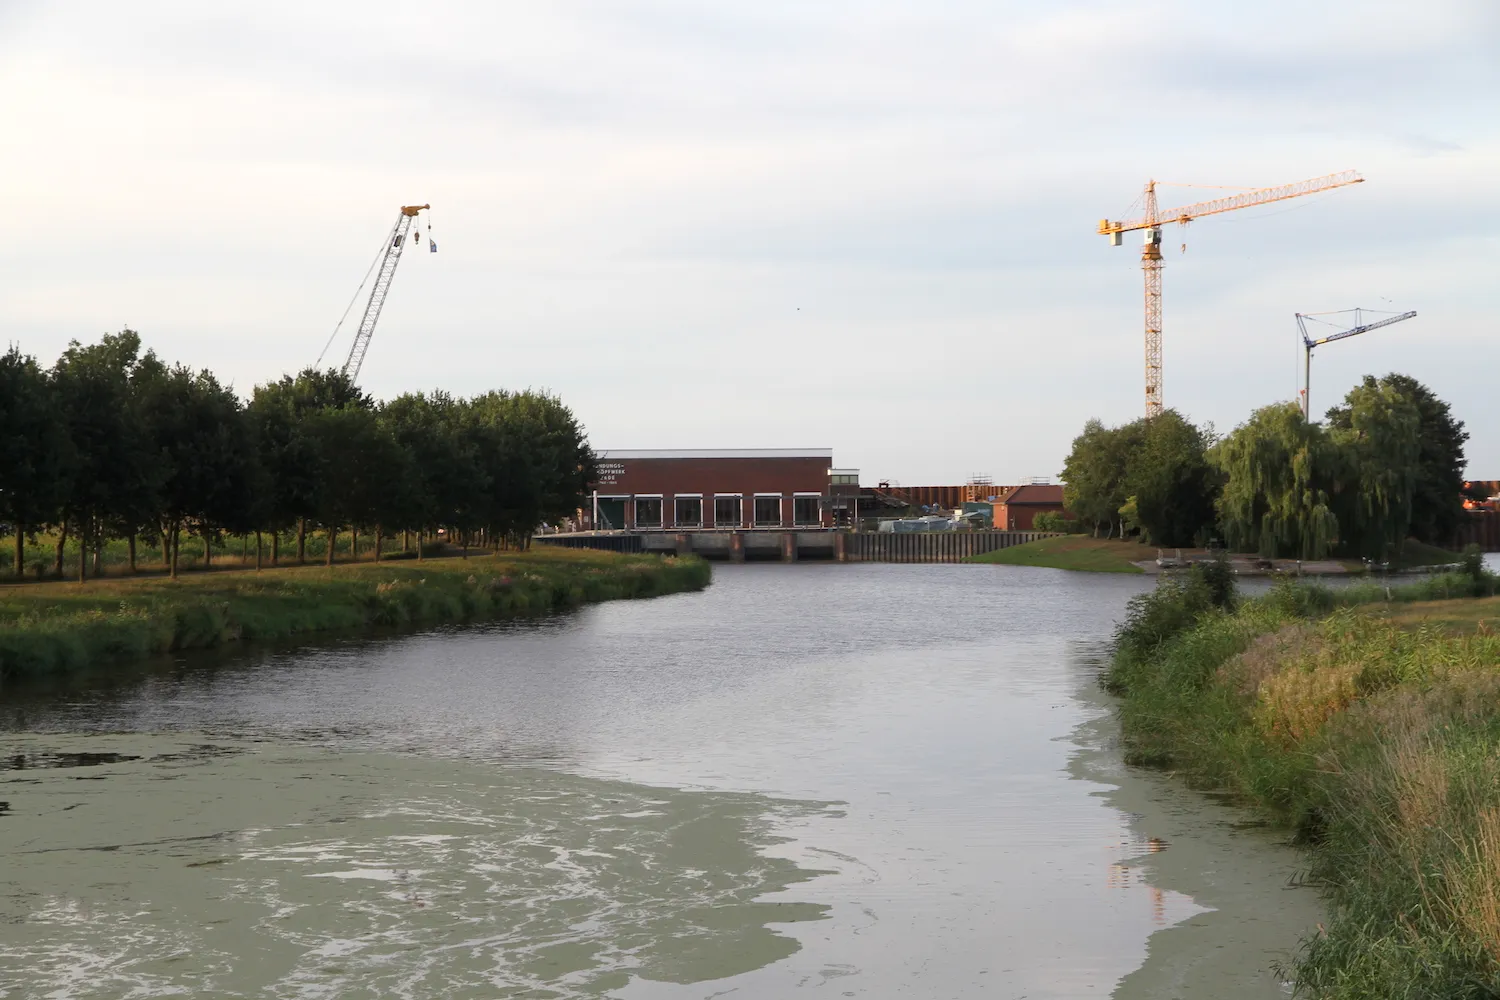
{"type": "Point", "coordinates": [783, 220]}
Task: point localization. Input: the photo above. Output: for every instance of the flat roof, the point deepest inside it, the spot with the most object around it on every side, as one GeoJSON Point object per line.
{"type": "Point", "coordinates": [616, 455]}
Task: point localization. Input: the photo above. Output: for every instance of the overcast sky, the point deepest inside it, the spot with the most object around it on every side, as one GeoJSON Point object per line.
{"type": "Point", "coordinates": [859, 225]}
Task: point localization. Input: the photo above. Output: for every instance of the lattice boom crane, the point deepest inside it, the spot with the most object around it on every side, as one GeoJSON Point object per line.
{"type": "Point", "coordinates": [1151, 262]}
{"type": "Point", "coordinates": [389, 258]}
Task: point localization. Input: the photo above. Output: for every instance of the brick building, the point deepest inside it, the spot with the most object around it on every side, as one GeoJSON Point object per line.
{"type": "Point", "coordinates": [1018, 508]}
{"type": "Point", "coordinates": [720, 488]}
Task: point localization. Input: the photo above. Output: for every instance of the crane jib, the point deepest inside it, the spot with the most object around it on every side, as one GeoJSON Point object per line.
{"type": "Point", "coordinates": [1151, 258]}
{"type": "Point", "coordinates": [391, 257]}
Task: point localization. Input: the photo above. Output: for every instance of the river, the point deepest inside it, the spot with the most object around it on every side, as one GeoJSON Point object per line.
{"type": "Point", "coordinates": [857, 780]}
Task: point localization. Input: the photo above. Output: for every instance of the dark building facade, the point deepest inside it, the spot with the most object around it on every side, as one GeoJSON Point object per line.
{"type": "Point", "coordinates": [732, 488]}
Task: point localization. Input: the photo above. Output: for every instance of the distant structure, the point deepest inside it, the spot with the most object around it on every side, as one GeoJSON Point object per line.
{"type": "Point", "coordinates": [725, 488]}
{"type": "Point", "coordinates": [1018, 508]}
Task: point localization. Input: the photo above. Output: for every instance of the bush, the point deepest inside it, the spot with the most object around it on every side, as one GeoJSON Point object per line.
{"type": "Point", "coordinates": [1057, 521]}
{"type": "Point", "coordinates": [1471, 563]}
{"type": "Point", "coordinates": [1217, 578]}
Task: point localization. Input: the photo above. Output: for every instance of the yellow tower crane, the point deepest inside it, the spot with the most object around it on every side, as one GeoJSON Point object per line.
{"type": "Point", "coordinates": [1151, 262]}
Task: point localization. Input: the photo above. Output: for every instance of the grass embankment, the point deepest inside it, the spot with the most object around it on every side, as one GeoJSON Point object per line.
{"type": "Point", "coordinates": [227, 551]}
{"type": "Point", "coordinates": [1077, 552]}
{"type": "Point", "coordinates": [1370, 730]}
{"type": "Point", "coordinates": [49, 628]}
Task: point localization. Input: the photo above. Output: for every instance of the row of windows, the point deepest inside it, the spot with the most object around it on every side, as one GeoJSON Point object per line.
{"type": "Point", "coordinates": [688, 512]}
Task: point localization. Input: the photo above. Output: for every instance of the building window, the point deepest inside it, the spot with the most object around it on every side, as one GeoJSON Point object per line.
{"type": "Point", "coordinates": [727, 512]}
{"type": "Point", "coordinates": [688, 512]}
{"type": "Point", "coordinates": [767, 512]}
{"type": "Point", "coordinates": [805, 510]}
{"type": "Point", "coordinates": [648, 512]}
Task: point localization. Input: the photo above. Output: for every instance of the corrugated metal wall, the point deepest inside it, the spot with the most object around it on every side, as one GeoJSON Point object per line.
{"type": "Point", "coordinates": [1482, 527]}
{"type": "Point", "coordinates": [933, 546]}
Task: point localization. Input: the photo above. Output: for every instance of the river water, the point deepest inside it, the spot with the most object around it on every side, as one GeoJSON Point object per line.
{"type": "Point", "coordinates": [854, 780]}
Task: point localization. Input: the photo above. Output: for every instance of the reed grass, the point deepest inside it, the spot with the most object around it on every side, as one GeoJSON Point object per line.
{"type": "Point", "coordinates": [56, 627]}
{"type": "Point", "coordinates": [1374, 738]}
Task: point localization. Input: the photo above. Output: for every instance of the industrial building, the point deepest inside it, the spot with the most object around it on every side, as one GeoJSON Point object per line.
{"type": "Point", "coordinates": [725, 488]}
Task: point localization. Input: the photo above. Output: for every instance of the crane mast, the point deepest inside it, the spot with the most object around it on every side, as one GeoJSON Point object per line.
{"type": "Point", "coordinates": [1151, 260]}
{"type": "Point", "coordinates": [388, 261]}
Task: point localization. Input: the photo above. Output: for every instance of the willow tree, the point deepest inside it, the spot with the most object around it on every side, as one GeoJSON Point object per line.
{"type": "Point", "coordinates": [1280, 473]}
{"type": "Point", "coordinates": [1381, 447]}
{"type": "Point", "coordinates": [1437, 503]}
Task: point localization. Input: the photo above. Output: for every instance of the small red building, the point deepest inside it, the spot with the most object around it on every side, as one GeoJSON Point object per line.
{"type": "Point", "coordinates": [1018, 508]}
{"type": "Point", "coordinates": [719, 488]}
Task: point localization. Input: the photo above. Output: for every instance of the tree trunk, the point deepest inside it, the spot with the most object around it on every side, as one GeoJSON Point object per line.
{"type": "Point", "coordinates": [166, 547]}
{"type": "Point", "coordinates": [465, 544]}
{"type": "Point", "coordinates": [208, 551]}
{"type": "Point", "coordinates": [378, 536]}
{"type": "Point", "coordinates": [83, 551]}
{"type": "Point", "coordinates": [245, 548]}
{"type": "Point", "coordinates": [175, 544]}
{"type": "Point", "coordinates": [20, 551]}
{"type": "Point", "coordinates": [98, 549]}
{"type": "Point", "coordinates": [419, 544]}
{"type": "Point", "coordinates": [62, 541]}
{"type": "Point", "coordinates": [354, 545]}
{"type": "Point", "coordinates": [257, 551]}
{"type": "Point", "coordinates": [132, 553]}
{"type": "Point", "coordinates": [405, 539]}
{"type": "Point", "coordinates": [301, 540]}
{"type": "Point", "coordinates": [333, 536]}
{"type": "Point", "coordinates": [276, 548]}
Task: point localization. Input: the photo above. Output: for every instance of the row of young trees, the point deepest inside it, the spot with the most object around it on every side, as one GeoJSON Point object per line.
{"type": "Point", "coordinates": [1386, 465]}
{"type": "Point", "coordinates": [115, 443]}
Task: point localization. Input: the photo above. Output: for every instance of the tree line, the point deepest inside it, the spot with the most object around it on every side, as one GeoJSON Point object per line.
{"type": "Point", "coordinates": [114, 443]}
{"type": "Point", "coordinates": [1385, 465]}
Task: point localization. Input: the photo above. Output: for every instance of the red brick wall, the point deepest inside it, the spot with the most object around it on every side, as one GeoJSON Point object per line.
{"type": "Point", "coordinates": [744, 477]}
{"type": "Point", "coordinates": [1021, 516]}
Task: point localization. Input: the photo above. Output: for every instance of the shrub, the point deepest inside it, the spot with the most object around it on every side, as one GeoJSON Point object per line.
{"type": "Point", "coordinates": [1057, 521]}
{"type": "Point", "coordinates": [1471, 563]}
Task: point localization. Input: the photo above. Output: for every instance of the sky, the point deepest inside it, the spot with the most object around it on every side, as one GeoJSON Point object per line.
{"type": "Point", "coordinates": [867, 225]}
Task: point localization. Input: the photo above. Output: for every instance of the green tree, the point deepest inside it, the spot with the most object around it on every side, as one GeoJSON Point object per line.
{"type": "Point", "coordinates": [202, 444]}
{"type": "Point", "coordinates": [448, 484]}
{"type": "Point", "coordinates": [33, 449]}
{"type": "Point", "coordinates": [1279, 475]}
{"type": "Point", "coordinates": [283, 415]}
{"type": "Point", "coordinates": [111, 478]}
{"type": "Point", "coordinates": [1437, 496]}
{"type": "Point", "coordinates": [359, 460]}
{"type": "Point", "coordinates": [1097, 471]}
{"type": "Point", "coordinates": [1380, 448]}
{"type": "Point", "coordinates": [1172, 482]}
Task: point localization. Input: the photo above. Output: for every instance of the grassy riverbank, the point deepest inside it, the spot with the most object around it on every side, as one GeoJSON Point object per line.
{"type": "Point", "coordinates": [55, 627]}
{"type": "Point", "coordinates": [1076, 552]}
{"type": "Point", "coordinates": [1369, 728]}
